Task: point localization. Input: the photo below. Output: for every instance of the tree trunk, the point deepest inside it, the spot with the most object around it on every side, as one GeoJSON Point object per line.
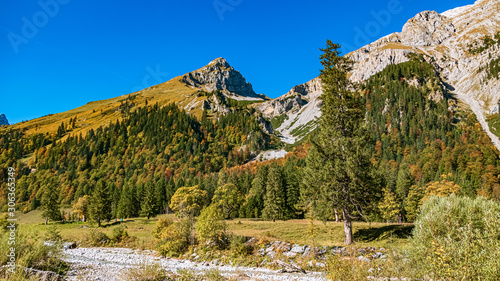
{"type": "Point", "coordinates": [336, 216]}
{"type": "Point", "coordinates": [46, 220]}
{"type": "Point", "coordinates": [347, 227]}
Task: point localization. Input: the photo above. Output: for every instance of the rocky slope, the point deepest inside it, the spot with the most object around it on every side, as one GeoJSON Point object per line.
{"type": "Point", "coordinates": [444, 40]}
{"type": "Point", "coordinates": [3, 120]}
{"type": "Point", "coordinates": [297, 110]}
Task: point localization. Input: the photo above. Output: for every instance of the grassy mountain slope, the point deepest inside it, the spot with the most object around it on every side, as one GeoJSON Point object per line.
{"type": "Point", "coordinates": [100, 113]}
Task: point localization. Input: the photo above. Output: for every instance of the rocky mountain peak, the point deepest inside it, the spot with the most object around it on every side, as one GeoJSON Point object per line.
{"type": "Point", "coordinates": [219, 75]}
{"type": "Point", "coordinates": [427, 28]}
{"type": "Point", "coordinates": [3, 120]}
{"type": "Point", "coordinates": [220, 63]}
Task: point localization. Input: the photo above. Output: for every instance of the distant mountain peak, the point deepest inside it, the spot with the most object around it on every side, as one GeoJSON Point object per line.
{"type": "Point", "coordinates": [3, 120]}
{"type": "Point", "coordinates": [219, 75]}
{"type": "Point", "coordinates": [221, 62]}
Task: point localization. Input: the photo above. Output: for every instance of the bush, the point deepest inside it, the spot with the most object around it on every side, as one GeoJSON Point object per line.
{"type": "Point", "coordinates": [118, 234]}
{"type": "Point", "coordinates": [210, 225]}
{"type": "Point", "coordinates": [98, 238]}
{"type": "Point", "coordinates": [172, 238]}
{"type": "Point", "coordinates": [239, 247]}
{"type": "Point", "coordinates": [457, 238]}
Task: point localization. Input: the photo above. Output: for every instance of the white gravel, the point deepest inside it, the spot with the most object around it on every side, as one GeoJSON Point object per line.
{"type": "Point", "coordinates": [477, 109]}
{"type": "Point", "coordinates": [109, 263]}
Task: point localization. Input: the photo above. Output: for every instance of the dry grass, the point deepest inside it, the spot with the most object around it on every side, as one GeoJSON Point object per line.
{"type": "Point", "coordinates": [89, 116]}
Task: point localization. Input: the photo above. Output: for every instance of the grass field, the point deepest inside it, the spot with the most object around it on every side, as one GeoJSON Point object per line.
{"type": "Point", "coordinates": [293, 231]}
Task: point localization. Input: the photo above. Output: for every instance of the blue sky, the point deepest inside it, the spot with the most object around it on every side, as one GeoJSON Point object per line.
{"type": "Point", "coordinates": [56, 55]}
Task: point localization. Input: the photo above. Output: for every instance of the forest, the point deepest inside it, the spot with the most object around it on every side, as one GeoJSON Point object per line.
{"type": "Point", "coordinates": [421, 142]}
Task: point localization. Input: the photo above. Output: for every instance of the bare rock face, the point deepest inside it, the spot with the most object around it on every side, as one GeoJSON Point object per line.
{"type": "Point", "coordinates": [219, 75]}
{"type": "Point", "coordinates": [427, 28]}
{"type": "Point", "coordinates": [301, 105]}
{"type": "Point", "coordinates": [293, 100]}
{"type": "Point", "coordinates": [3, 120]}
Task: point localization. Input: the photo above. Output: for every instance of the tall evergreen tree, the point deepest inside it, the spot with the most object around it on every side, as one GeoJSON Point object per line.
{"type": "Point", "coordinates": [274, 201]}
{"type": "Point", "coordinates": [148, 201]}
{"type": "Point", "coordinates": [100, 203]}
{"type": "Point", "coordinates": [50, 201]}
{"type": "Point", "coordinates": [292, 189]}
{"type": "Point", "coordinates": [337, 170]}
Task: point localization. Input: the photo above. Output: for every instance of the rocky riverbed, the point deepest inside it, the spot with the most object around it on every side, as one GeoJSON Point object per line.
{"type": "Point", "coordinates": [111, 263]}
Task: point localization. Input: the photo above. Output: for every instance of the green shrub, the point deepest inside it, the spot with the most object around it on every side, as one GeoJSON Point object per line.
{"type": "Point", "coordinates": [239, 247]}
{"type": "Point", "coordinates": [118, 234]}
{"type": "Point", "coordinates": [172, 238]}
{"type": "Point", "coordinates": [210, 225]}
{"type": "Point", "coordinates": [97, 238]}
{"type": "Point", "coordinates": [457, 238]}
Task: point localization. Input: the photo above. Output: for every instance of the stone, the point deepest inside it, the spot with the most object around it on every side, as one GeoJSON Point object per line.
{"type": "Point", "coordinates": [289, 254]}
{"type": "Point", "coordinates": [320, 264]}
{"type": "Point", "coordinates": [69, 245]}
{"type": "Point", "coordinates": [298, 249]}
{"type": "Point", "coordinates": [363, 258]}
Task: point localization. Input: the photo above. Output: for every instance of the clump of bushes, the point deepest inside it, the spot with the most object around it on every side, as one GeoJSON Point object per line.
{"type": "Point", "coordinates": [97, 238]}
{"type": "Point", "coordinates": [119, 234]}
{"type": "Point", "coordinates": [239, 247]}
{"type": "Point", "coordinates": [457, 238]}
{"type": "Point", "coordinates": [172, 238]}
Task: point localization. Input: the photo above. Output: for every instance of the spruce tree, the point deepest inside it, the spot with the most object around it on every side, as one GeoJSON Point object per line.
{"type": "Point", "coordinates": [337, 169]}
{"type": "Point", "coordinates": [50, 201]}
{"type": "Point", "coordinates": [274, 201]}
{"type": "Point", "coordinates": [100, 203]}
{"type": "Point", "coordinates": [292, 174]}
{"type": "Point", "coordinates": [148, 202]}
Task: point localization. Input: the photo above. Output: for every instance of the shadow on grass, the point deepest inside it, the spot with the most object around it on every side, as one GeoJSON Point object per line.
{"type": "Point", "coordinates": [383, 232]}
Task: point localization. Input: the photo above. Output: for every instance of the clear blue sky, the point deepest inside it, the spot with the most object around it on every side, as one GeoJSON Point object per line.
{"type": "Point", "coordinates": [64, 53]}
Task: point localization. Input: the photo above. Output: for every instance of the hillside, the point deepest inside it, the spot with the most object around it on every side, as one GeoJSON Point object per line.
{"type": "Point", "coordinates": [183, 90]}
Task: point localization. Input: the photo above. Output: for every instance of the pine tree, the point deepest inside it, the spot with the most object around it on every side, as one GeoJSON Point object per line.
{"type": "Point", "coordinates": [50, 201]}
{"type": "Point", "coordinates": [337, 172]}
{"type": "Point", "coordinates": [274, 201]}
{"type": "Point", "coordinates": [100, 203]}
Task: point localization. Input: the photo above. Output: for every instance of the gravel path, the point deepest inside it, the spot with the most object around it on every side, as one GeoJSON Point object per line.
{"type": "Point", "coordinates": [477, 109]}
{"type": "Point", "coordinates": [109, 263]}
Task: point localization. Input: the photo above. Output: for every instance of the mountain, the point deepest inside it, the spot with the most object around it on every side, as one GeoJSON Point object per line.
{"type": "Point", "coordinates": [3, 120]}
{"type": "Point", "coordinates": [448, 41]}
{"type": "Point", "coordinates": [219, 75]}
{"type": "Point", "coordinates": [183, 90]}
{"type": "Point", "coordinates": [293, 114]}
